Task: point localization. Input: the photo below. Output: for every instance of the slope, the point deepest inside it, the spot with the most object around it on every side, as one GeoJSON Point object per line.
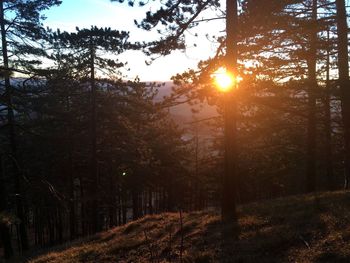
{"type": "Point", "coordinates": [309, 228]}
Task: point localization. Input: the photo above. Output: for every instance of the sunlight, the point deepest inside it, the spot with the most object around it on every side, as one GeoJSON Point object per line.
{"type": "Point", "coordinates": [224, 80]}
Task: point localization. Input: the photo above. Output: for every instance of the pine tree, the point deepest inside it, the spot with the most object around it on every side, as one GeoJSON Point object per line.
{"type": "Point", "coordinates": [85, 44]}
{"type": "Point", "coordinates": [343, 68]}
{"type": "Point", "coordinates": [20, 25]}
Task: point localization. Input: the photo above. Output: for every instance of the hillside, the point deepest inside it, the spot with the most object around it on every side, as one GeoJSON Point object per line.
{"type": "Point", "coordinates": [182, 113]}
{"type": "Point", "coordinates": [310, 228]}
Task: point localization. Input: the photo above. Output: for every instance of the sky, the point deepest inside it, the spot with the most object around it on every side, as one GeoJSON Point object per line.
{"type": "Point", "coordinates": [103, 13]}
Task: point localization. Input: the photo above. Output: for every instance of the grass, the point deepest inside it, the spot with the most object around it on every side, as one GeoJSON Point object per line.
{"type": "Point", "coordinates": [308, 228]}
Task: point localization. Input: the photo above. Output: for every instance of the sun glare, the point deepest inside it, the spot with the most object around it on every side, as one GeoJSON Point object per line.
{"type": "Point", "coordinates": [224, 80]}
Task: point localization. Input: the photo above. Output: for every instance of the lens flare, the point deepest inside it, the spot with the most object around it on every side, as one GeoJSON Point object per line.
{"type": "Point", "coordinates": [224, 80]}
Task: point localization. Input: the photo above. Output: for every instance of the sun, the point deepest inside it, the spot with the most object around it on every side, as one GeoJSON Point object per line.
{"type": "Point", "coordinates": [224, 80]}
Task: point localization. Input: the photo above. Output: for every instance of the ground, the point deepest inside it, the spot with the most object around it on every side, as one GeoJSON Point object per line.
{"type": "Point", "coordinates": [307, 228]}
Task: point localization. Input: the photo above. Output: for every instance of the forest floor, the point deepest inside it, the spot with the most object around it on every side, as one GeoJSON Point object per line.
{"type": "Point", "coordinates": [306, 228]}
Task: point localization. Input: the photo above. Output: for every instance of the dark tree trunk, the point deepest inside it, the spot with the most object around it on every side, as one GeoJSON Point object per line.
{"type": "Point", "coordinates": [164, 200]}
{"type": "Point", "coordinates": [229, 178]}
{"type": "Point", "coordinates": [93, 136]}
{"type": "Point", "coordinates": [72, 220]}
{"type": "Point", "coordinates": [112, 196]}
{"type": "Point", "coordinates": [124, 206]}
{"type": "Point", "coordinates": [119, 206]}
{"type": "Point", "coordinates": [150, 204]}
{"type": "Point", "coordinates": [50, 225]}
{"type": "Point", "coordinates": [135, 204]}
{"type": "Point", "coordinates": [72, 201]}
{"type": "Point", "coordinates": [4, 229]}
{"type": "Point", "coordinates": [195, 193]}
{"type": "Point", "coordinates": [343, 67]}
{"type": "Point", "coordinates": [12, 136]}
{"type": "Point", "coordinates": [59, 226]}
{"type": "Point", "coordinates": [312, 87]}
{"type": "Point", "coordinates": [83, 209]}
{"type": "Point", "coordinates": [170, 203]}
{"type": "Point", "coordinates": [328, 126]}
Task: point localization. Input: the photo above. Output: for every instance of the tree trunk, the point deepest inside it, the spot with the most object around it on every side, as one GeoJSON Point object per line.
{"type": "Point", "coordinates": [112, 204]}
{"type": "Point", "coordinates": [4, 229]}
{"type": "Point", "coordinates": [72, 201]}
{"type": "Point", "coordinates": [170, 202]}
{"type": "Point", "coordinates": [343, 67]}
{"type": "Point", "coordinates": [119, 206]}
{"type": "Point", "coordinates": [94, 172]}
{"type": "Point", "coordinates": [83, 205]}
{"type": "Point", "coordinates": [124, 213]}
{"type": "Point", "coordinates": [12, 136]}
{"type": "Point", "coordinates": [229, 179]}
{"type": "Point", "coordinates": [328, 126]}
{"type": "Point", "coordinates": [72, 220]}
{"type": "Point", "coordinates": [135, 204]}
{"type": "Point", "coordinates": [150, 203]}
{"type": "Point", "coordinates": [124, 204]}
{"type": "Point", "coordinates": [196, 199]}
{"type": "Point", "coordinates": [312, 87]}
{"type": "Point", "coordinates": [59, 226]}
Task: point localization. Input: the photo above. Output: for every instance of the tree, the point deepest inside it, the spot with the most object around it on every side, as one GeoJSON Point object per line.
{"type": "Point", "coordinates": [229, 194]}
{"type": "Point", "coordinates": [290, 45]}
{"type": "Point", "coordinates": [177, 17]}
{"type": "Point", "coordinates": [343, 68]}
{"type": "Point", "coordinates": [4, 230]}
{"type": "Point", "coordinates": [85, 44]}
{"type": "Point", "coordinates": [312, 89]}
{"type": "Point", "coordinates": [20, 25]}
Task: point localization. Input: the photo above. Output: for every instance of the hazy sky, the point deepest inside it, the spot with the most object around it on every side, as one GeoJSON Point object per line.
{"type": "Point", "coordinates": [103, 13]}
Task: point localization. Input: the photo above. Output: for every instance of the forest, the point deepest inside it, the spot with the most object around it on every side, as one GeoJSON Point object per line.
{"type": "Point", "coordinates": [84, 149]}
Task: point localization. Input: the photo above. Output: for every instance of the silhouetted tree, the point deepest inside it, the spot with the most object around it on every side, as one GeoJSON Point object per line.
{"type": "Point", "coordinates": [343, 68]}
{"type": "Point", "coordinates": [20, 25]}
{"type": "Point", "coordinates": [88, 43]}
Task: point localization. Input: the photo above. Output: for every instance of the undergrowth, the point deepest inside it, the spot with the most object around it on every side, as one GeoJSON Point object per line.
{"type": "Point", "coordinates": [309, 228]}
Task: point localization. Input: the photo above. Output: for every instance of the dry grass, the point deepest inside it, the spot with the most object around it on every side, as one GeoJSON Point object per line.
{"type": "Point", "coordinates": [310, 228]}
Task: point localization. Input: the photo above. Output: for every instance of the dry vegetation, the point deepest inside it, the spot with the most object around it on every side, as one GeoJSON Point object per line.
{"type": "Point", "coordinates": [310, 228]}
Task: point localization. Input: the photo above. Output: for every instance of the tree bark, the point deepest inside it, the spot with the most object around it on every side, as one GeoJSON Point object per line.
{"type": "Point", "coordinates": [229, 179]}
{"type": "Point", "coordinates": [72, 219]}
{"type": "Point", "coordinates": [12, 136]}
{"type": "Point", "coordinates": [328, 126]}
{"type": "Point", "coordinates": [112, 196]}
{"type": "Point", "coordinates": [135, 204]}
{"type": "Point", "coordinates": [150, 201]}
{"type": "Point", "coordinates": [94, 171]}
{"type": "Point", "coordinates": [312, 87]}
{"type": "Point", "coordinates": [343, 67]}
{"type": "Point", "coordinates": [4, 229]}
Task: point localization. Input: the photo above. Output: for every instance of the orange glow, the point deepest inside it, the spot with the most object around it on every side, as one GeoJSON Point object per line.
{"type": "Point", "coordinates": [224, 80]}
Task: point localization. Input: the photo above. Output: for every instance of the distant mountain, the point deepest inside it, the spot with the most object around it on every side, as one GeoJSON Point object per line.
{"type": "Point", "coordinates": [183, 113]}
{"type": "Point", "coordinates": [164, 90]}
